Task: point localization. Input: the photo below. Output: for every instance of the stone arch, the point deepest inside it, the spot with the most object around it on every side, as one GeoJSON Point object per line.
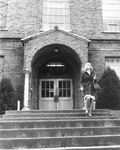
{"type": "Point", "coordinates": [78, 46]}
{"type": "Point", "coordinates": [36, 44]}
{"type": "Point", "coordinates": [48, 52]}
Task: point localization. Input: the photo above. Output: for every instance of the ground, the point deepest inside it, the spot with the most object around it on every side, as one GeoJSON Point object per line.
{"type": "Point", "coordinates": [115, 113]}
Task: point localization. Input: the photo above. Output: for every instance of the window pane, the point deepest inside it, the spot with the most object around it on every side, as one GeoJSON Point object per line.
{"type": "Point", "coordinates": [68, 84]}
{"type": "Point", "coordinates": [60, 84]}
{"type": "Point", "coordinates": [61, 11]}
{"type": "Point", "coordinates": [56, 19]}
{"type": "Point", "coordinates": [51, 94]}
{"type": "Point", "coordinates": [56, 12]}
{"type": "Point", "coordinates": [51, 11]}
{"type": "Point", "coordinates": [105, 27]}
{"type": "Point", "coordinates": [67, 12]}
{"type": "Point", "coordinates": [64, 84]}
{"type": "Point", "coordinates": [51, 19]}
{"type": "Point", "coordinates": [43, 93]}
{"type": "Point", "coordinates": [47, 84]}
{"type": "Point", "coordinates": [67, 5]}
{"type": "Point", "coordinates": [47, 93]}
{"type": "Point", "coordinates": [68, 93]}
{"type": "Point", "coordinates": [111, 12]}
{"type": "Point", "coordinates": [43, 84]}
{"type": "Point", "coordinates": [51, 85]}
{"type": "Point", "coordinates": [60, 93]}
{"type": "Point", "coordinates": [45, 19]}
{"type": "Point", "coordinates": [60, 20]}
{"type": "Point", "coordinates": [64, 93]}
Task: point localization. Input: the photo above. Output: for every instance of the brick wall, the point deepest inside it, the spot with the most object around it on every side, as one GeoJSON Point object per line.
{"type": "Point", "coordinates": [11, 51]}
{"type": "Point", "coordinates": [24, 17]}
{"type": "Point", "coordinates": [99, 49]}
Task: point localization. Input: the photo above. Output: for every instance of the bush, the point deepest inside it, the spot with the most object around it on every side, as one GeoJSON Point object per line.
{"type": "Point", "coordinates": [7, 97]}
{"type": "Point", "coordinates": [109, 95]}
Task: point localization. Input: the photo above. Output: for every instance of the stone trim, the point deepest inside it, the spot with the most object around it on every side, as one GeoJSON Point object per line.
{"type": "Point", "coordinates": [54, 30]}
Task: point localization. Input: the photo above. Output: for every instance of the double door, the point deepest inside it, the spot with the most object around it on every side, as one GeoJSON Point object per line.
{"type": "Point", "coordinates": [56, 94]}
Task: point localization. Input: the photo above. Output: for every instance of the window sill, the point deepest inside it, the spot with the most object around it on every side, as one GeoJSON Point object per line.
{"type": "Point", "coordinates": [111, 32]}
{"type": "Point", "coordinates": [43, 29]}
{"type": "Point", "coordinates": [5, 29]}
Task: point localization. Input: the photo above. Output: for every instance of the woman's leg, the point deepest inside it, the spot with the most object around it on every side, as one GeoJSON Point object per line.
{"type": "Point", "coordinates": [87, 103]}
{"type": "Point", "coordinates": [92, 98]}
{"type": "Point", "coordinates": [90, 107]}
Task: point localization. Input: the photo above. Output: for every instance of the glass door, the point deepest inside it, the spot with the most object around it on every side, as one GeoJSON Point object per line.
{"type": "Point", "coordinates": [56, 94]}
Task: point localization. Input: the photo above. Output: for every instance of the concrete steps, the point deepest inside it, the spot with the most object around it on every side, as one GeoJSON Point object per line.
{"type": "Point", "coordinates": [53, 118]}
{"type": "Point", "coordinates": [52, 115]}
{"type": "Point", "coordinates": [59, 130]}
{"type": "Point", "coordinates": [79, 148]}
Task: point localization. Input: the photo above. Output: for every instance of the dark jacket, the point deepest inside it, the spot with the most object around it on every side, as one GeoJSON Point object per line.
{"type": "Point", "coordinates": [87, 82]}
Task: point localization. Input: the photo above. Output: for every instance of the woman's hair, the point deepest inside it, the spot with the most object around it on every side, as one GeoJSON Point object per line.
{"type": "Point", "coordinates": [88, 65]}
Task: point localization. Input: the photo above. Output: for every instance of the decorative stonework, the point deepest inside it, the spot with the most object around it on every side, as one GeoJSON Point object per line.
{"type": "Point", "coordinates": [35, 43]}
{"type": "Point", "coordinates": [7, 43]}
{"type": "Point", "coordinates": [77, 45]}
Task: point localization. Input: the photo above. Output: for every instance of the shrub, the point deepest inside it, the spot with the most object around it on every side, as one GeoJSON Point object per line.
{"type": "Point", "coordinates": [109, 95]}
{"type": "Point", "coordinates": [7, 97]}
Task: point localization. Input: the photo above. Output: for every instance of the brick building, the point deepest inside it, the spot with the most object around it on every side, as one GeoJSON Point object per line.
{"type": "Point", "coordinates": [44, 45]}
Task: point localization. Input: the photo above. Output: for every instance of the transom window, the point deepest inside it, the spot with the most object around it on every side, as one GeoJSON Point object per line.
{"type": "Point", "coordinates": [56, 69]}
{"type": "Point", "coordinates": [113, 63]}
{"type": "Point", "coordinates": [56, 13]}
{"type": "Point", "coordinates": [111, 15]}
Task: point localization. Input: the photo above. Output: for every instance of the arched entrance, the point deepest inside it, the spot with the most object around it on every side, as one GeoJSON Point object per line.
{"type": "Point", "coordinates": [55, 78]}
{"type": "Point", "coordinates": [55, 85]}
{"type": "Point", "coordinates": [40, 49]}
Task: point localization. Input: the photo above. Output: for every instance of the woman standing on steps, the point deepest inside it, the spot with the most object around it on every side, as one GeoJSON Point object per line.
{"type": "Point", "coordinates": [88, 79]}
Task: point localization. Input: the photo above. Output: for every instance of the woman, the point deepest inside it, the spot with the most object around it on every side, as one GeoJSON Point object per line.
{"type": "Point", "coordinates": [88, 79]}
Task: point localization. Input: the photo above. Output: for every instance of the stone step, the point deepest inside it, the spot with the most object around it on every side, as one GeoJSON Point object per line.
{"type": "Point", "coordinates": [20, 143]}
{"type": "Point", "coordinates": [54, 118]}
{"type": "Point", "coordinates": [17, 124]}
{"type": "Point", "coordinates": [115, 147]}
{"type": "Point", "coordinates": [55, 111]}
{"type": "Point", "coordinates": [77, 148]}
{"type": "Point", "coordinates": [58, 132]}
{"type": "Point", "coordinates": [52, 115]}
{"type": "Point", "coordinates": [112, 147]}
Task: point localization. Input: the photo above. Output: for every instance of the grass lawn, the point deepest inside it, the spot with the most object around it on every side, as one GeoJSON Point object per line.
{"type": "Point", "coordinates": [116, 113]}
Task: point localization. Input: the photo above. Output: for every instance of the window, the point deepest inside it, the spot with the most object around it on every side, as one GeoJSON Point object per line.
{"type": "Point", "coordinates": [113, 63]}
{"type": "Point", "coordinates": [56, 13]}
{"type": "Point", "coordinates": [3, 14]}
{"type": "Point", "coordinates": [51, 87]}
{"type": "Point", "coordinates": [55, 64]}
{"type": "Point", "coordinates": [111, 15]}
{"type": "Point", "coordinates": [64, 89]}
{"type": "Point", "coordinates": [47, 89]}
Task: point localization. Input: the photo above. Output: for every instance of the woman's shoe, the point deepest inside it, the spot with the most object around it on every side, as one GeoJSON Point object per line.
{"type": "Point", "coordinates": [86, 112]}
{"type": "Point", "coordinates": [89, 115]}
